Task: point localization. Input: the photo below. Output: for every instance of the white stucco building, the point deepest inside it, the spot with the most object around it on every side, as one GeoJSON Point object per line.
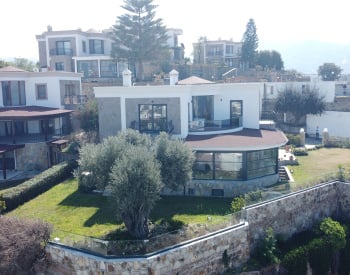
{"type": "Point", "coordinates": [219, 122]}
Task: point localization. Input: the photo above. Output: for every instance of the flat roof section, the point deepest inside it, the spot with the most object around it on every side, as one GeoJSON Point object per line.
{"type": "Point", "coordinates": [245, 140]}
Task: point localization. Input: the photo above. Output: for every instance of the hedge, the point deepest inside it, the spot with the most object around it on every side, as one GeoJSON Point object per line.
{"type": "Point", "coordinates": [38, 184]}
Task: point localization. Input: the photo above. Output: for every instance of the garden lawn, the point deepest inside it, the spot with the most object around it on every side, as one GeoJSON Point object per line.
{"type": "Point", "coordinates": [70, 211]}
{"type": "Point", "coordinates": [319, 166]}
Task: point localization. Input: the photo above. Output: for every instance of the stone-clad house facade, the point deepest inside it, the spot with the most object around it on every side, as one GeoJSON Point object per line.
{"type": "Point", "coordinates": [35, 114]}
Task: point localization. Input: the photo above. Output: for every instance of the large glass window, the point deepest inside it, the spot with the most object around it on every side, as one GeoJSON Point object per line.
{"type": "Point", "coordinates": [96, 46]}
{"type": "Point", "coordinates": [203, 166]}
{"type": "Point", "coordinates": [108, 68]}
{"type": "Point", "coordinates": [261, 163]}
{"type": "Point", "coordinates": [13, 93]}
{"type": "Point", "coordinates": [228, 166]}
{"type": "Point", "coordinates": [88, 67]}
{"type": "Point", "coordinates": [218, 165]}
{"type": "Point", "coordinates": [203, 107]}
{"type": "Point", "coordinates": [63, 48]}
{"type": "Point", "coordinates": [235, 165]}
{"type": "Point", "coordinates": [236, 113]}
{"type": "Point", "coordinates": [153, 117]}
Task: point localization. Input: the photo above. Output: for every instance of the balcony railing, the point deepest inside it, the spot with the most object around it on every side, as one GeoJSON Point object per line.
{"type": "Point", "coordinates": [28, 138]}
{"type": "Point", "coordinates": [126, 248]}
{"type": "Point", "coordinates": [59, 51]}
{"type": "Point", "coordinates": [202, 125]}
{"type": "Point", "coordinates": [75, 99]}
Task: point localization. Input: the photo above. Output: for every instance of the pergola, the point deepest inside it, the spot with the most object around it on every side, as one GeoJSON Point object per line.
{"type": "Point", "coordinates": [12, 114]}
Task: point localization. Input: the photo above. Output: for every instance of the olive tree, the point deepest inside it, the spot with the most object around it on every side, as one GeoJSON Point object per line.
{"type": "Point", "coordinates": [135, 187]}
{"type": "Point", "coordinates": [134, 168]}
{"type": "Point", "coordinates": [299, 103]}
{"type": "Point", "coordinates": [176, 161]}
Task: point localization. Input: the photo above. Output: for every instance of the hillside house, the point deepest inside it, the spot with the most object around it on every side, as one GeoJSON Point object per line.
{"type": "Point", "coordinates": [35, 116]}
{"type": "Point", "coordinates": [219, 122]}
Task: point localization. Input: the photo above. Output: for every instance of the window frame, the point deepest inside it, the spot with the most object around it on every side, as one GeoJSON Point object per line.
{"type": "Point", "coordinates": [151, 121]}
{"type": "Point", "coordinates": [236, 119]}
{"type": "Point", "coordinates": [37, 92]}
{"type": "Point", "coordinates": [8, 94]}
{"type": "Point", "coordinates": [96, 49]}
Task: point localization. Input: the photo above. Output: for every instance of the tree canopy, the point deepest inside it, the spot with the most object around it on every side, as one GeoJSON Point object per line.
{"type": "Point", "coordinates": [138, 35]}
{"type": "Point", "coordinates": [135, 187]}
{"type": "Point", "coordinates": [300, 103]}
{"type": "Point", "coordinates": [88, 115]}
{"type": "Point", "coordinates": [250, 45]}
{"type": "Point", "coordinates": [176, 161]}
{"type": "Point", "coordinates": [134, 167]}
{"type": "Point", "coordinates": [329, 71]}
{"type": "Point", "coordinates": [271, 60]}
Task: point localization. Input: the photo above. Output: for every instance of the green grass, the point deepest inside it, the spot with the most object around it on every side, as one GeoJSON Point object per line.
{"type": "Point", "coordinates": [319, 165]}
{"type": "Point", "coordinates": [92, 215]}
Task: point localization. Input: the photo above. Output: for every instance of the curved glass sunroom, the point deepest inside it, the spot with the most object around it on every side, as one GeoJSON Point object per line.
{"type": "Point", "coordinates": [243, 165]}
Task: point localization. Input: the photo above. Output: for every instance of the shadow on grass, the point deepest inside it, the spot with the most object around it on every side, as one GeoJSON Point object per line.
{"type": "Point", "coordinates": [105, 212]}
{"type": "Point", "coordinates": [164, 210]}
{"type": "Point", "coordinates": [168, 206]}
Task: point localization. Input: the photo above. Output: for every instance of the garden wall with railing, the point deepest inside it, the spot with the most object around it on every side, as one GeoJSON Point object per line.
{"type": "Point", "coordinates": [207, 249]}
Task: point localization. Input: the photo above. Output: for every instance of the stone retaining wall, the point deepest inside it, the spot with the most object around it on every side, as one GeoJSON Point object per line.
{"type": "Point", "coordinates": [203, 256]}
{"type": "Point", "coordinates": [290, 214]}
{"type": "Point", "coordinates": [293, 213]}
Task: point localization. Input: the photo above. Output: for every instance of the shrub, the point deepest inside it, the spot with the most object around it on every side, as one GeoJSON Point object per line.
{"type": "Point", "coordinates": [2, 204]}
{"type": "Point", "coordinates": [320, 256]}
{"type": "Point", "coordinates": [300, 152]}
{"type": "Point", "coordinates": [253, 197]}
{"type": "Point", "coordinates": [267, 249]}
{"type": "Point", "coordinates": [294, 140]}
{"type": "Point", "coordinates": [22, 244]}
{"type": "Point", "coordinates": [237, 204]}
{"type": "Point", "coordinates": [37, 185]}
{"type": "Point", "coordinates": [295, 261]}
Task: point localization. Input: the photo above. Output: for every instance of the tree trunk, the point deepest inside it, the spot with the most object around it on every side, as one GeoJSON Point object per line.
{"type": "Point", "coordinates": [140, 73]}
{"type": "Point", "coordinates": [136, 223]}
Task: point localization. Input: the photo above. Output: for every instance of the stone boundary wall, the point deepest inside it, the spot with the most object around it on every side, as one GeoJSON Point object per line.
{"type": "Point", "coordinates": [290, 214]}
{"type": "Point", "coordinates": [293, 213]}
{"type": "Point", "coordinates": [202, 256]}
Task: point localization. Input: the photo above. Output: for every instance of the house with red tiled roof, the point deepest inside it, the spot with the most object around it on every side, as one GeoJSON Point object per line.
{"type": "Point", "coordinates": [219, 122]}
{"type": "Point", "coordinates": [35, 110]}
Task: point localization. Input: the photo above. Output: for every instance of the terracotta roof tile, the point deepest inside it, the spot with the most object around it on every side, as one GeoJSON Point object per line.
{"type": "Point", "coordinates": [194, 80]}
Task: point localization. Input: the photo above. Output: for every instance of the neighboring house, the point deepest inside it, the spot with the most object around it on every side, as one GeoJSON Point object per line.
{"type": "Point", "coordinates": [177, 50]}
{"type": "Point", "coordinates": [219, 122]}
{"type": "Point", "coordinates": [35, 110]}
{"type": "Point", "coordinates": [78, 51]}
{"type": "Point", "coordinates": [89, 52]}
{"type": "Point", "coordinates": [219, 52]}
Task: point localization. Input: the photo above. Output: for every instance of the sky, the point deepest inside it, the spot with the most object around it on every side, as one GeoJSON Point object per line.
{"type": "Point", "coordinates": [279, 22]}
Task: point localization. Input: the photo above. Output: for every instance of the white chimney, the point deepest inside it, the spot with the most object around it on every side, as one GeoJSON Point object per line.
{"type": "Point", "coordinates": [127, 78]}
{"type": "Point", "coordinates": [174, 77]}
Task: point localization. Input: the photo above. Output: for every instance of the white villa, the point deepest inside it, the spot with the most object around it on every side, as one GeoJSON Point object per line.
{"type": "Point", "coordinates": [219, 122]}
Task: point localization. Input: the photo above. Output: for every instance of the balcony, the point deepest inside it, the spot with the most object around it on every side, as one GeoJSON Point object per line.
{"type": "Point", "coordinates": [75, 99]}
{"type": "Point", "coordinates": [28, 138]}
{"type": "Point", "coordinates": [59, 51]}
{"type": "Point", "coordinates": [204, 127]}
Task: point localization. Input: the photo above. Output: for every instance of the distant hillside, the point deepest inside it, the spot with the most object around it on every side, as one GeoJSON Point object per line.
{"type": "Point", "coordinates": [307, 56]}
